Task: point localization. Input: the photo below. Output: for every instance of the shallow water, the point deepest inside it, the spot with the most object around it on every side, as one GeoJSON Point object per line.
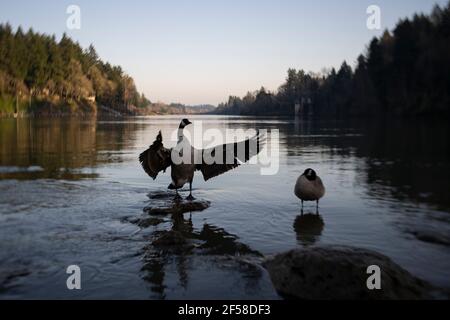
{"type": "Point", "coordinates": [71, 191]}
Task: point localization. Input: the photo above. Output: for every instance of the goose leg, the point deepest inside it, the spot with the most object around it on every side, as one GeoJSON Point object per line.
{"type": "Point", "coordinates": [317, 206]}
{"type": "Point", "coordinates": [177, 196]}
{"type": "Point", "coordinates": [190, 197]}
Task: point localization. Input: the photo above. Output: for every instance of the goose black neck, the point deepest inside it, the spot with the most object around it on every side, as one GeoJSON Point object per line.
{"type": "Point", "coordinates": [180, 133]}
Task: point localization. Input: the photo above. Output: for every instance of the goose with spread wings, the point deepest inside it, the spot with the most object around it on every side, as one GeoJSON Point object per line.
{"type": "Point", "coordinates": [157, 158]}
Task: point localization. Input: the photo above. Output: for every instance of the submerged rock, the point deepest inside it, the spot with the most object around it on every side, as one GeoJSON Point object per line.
{"type": "Point", "coordinates": [9, 276]}
{"type": "Point", "coordinates": [170, 238]}
{"type": "Point", "coordinates": [144, 221]}
{"type": "Point", "coordinates": [432, 237]}
{"type": "Point", "coordinates": [339, 272]}
{"type": "Point", "coordinates": [147, 222]}
{"type": "Point", "coordinates": [168, 242]}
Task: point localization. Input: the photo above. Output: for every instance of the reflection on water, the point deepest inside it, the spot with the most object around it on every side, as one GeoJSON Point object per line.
{"type": "Point", "coordinates": [60, 148]}
{"type": "Point", "coordinates": [73, 192]}
{"type": "Point", "coordinates": [308, 228]}
{"type": "Point", "coordinates": [181, 245]}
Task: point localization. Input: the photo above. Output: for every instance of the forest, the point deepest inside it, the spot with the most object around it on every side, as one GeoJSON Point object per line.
{"type": "Point", "coordinates": [39, 74]}
{"type": "Point", "coordinates": [405, 72]}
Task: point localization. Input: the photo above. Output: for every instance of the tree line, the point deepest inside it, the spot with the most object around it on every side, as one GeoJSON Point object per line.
{"type": "Point", "coordinates": [37, 73]}
{"type": "Point", "coordinates": [403, 72]}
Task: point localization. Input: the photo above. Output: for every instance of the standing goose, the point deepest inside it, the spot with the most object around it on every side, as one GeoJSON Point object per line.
{"type": "Point", "coordinates": [157, 158]}
{"type": "Point", "coordinates": [309, 187]}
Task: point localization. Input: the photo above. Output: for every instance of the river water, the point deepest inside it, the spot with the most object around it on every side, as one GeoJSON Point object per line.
{"type": "Point", "coordinates": [72, 189]}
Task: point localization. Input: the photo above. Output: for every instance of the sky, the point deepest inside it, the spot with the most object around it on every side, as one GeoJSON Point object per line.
{"type": "Point", "coordinates": [200, 52]}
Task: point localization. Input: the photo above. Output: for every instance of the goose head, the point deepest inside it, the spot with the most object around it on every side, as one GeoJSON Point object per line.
{"type": "Point", "coordinates": [310, 174]}
{"type": "Point", "coordinates": [184, 123]}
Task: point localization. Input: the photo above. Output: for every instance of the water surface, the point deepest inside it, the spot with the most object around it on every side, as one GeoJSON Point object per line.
{"type": "Point", "coordinates": [71, 189]}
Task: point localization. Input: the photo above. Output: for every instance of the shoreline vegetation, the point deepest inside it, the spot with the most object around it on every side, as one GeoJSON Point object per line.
{"type": "Point", "coordinates": [42, 76]}
{"type": "Point", "coordinates": [403, 73]}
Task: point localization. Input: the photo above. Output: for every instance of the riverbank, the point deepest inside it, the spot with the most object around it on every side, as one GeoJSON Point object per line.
{"type": "Point", "coordinates": [57, 108]}
{"type": "Point", "coordinates": [47, 106]}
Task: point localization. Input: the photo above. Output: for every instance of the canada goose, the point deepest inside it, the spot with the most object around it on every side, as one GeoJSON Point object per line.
{"type": "Point", "coordinates": [309, 187]}
{"type": "Point", "coordinates": [183, 172]}
{"type": "Point", "coordinates": [157, 158]}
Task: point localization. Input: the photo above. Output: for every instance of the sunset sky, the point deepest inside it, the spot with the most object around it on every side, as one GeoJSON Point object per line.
{"type": "Point", "coordinates": [197, 52]}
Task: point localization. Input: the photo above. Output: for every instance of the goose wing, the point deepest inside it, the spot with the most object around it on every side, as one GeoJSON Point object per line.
{"type": "Point", "coordinates": [156, 158]}
{"type": "Point", "coordinates": [222, 158]}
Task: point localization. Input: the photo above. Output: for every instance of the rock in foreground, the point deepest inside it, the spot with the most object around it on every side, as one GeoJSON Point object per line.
{"type": "Point", "coordinates": [338, 272]}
